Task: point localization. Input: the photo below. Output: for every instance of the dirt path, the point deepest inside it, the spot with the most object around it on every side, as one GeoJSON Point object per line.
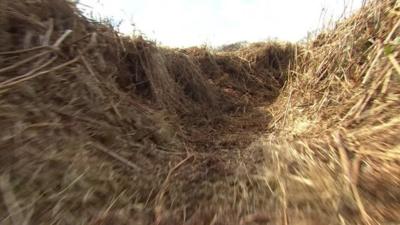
{"type": "Point", "coordinates": [220, 162]}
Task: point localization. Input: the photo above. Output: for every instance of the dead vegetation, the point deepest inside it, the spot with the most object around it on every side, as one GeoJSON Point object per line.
{"type": "Point", "coordinates": [98, 128]}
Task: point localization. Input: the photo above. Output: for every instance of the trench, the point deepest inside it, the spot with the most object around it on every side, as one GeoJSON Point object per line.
{"type": "Point", "coordinates": [218, 155]}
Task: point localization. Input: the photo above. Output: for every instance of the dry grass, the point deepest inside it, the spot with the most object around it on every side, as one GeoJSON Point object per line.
{"type": "Point", "coordinates": [338, 119]}
{"type": "Point", "coordinates": [244, 72]}
{"type": "Point", "coordinates": [98, 128]}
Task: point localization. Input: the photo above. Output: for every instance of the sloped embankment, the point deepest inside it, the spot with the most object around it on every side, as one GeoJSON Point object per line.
{"type": "Point", "coordinates": [334, 152]}
{"type": "Point", "coordinates": [98, 128]}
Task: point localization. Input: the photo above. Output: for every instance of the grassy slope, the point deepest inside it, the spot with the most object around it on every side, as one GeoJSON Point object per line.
{"type": "Point", "coordinates": [102, 129]}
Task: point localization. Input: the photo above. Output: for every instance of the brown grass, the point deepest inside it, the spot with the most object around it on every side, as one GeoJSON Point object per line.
{"type": "Point", "coordinates": [340, 115]}
{"type": "Point", "coordinates": [98, 128]}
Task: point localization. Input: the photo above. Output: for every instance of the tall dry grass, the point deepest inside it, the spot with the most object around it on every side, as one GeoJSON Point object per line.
{"type": "Point", "coordinates": [336, 124]}
{"type": "Point", "coordinates": [98, 128]}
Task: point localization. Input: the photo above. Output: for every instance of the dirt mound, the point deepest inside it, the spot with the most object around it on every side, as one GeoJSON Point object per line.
{"type": "Point", "coordinates": [98, 128]}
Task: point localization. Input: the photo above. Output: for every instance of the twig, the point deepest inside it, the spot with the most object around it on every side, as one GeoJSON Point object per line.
{"type": "Point", "coordinates": [80, 39]}
{"type": "Point", "coordinates": [385, 85]}
{"type": "Point", "coordinates": [355, 169]}
{"type": "Point", "coordinates": [22, 62]}
{"type": "Point", "coordinates": [62, 38]}
{"type": "Point", "coordinates": [164, 186]}
{"type": "Point", "coordinates": [396, 65]}
{"type": "Point", "coordinates": [68, 187]}
{"type": "Point", "coordinates": [24, 50]}
{"type": "Point", "coordinates": [88, 67]}
{"type": "Point", "coordinates": [347, 168]}
{"type": "Point", "coordinates": [29, 73]}
{"type": "Point", "coordinates": [93, 41]}
{"type": "Point", "coordinates": [49, 32]}
{"type": "Point", "coordinates": [45, 45]}
{"type": "Point", "coordinates": [117, 157]}
{"type": "Point", "coordinates": [41, 73]}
